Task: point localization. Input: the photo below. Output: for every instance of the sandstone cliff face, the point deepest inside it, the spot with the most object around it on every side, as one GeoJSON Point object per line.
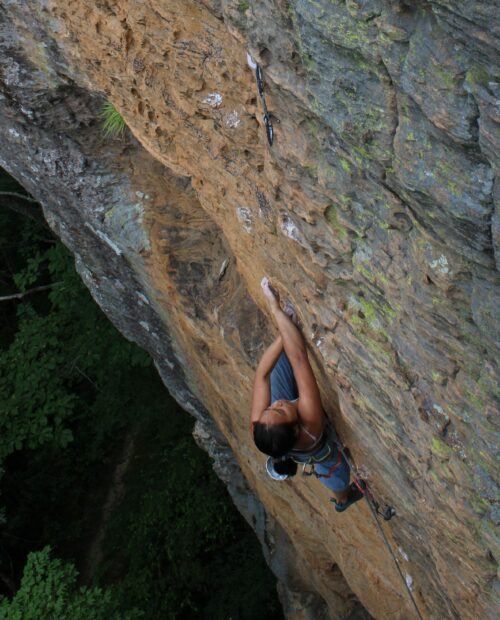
{"type": "Point", "coordinates": [373, 212]}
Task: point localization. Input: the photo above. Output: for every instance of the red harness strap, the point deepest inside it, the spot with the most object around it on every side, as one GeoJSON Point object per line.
{"type": "Point", "coordinates": [333, 467]}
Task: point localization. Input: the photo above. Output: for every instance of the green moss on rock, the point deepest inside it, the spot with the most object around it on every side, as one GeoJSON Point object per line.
{"type": "Point", "coordinates": [440, 448]}
{"type": "Point", "coordinates": [331, 215]}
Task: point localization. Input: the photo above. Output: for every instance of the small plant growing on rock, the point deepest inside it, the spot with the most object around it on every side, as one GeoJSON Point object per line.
{"type": "Point", "coordinates": [113, 124]}
{"type": "Point", "coordinates": [243, 6]}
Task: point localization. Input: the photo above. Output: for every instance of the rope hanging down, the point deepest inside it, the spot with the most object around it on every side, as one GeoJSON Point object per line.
{"type": "Point", "coordinates": [387, 513]}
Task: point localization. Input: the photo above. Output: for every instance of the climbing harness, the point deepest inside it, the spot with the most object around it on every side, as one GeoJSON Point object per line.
{"type": "Point", "coordinates": [312, 461]}
{"type": "Point", "coordinates": [387, 513]}
{"type": "Point", "coordinates": [267, 120]}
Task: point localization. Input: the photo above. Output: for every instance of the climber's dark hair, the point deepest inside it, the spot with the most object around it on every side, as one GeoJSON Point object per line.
{"type": "Point", "coordinates": [275, 439]}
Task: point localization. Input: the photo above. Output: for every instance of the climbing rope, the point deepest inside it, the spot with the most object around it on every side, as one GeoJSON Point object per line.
{"type": "Point", "coordinates": [387, 514]}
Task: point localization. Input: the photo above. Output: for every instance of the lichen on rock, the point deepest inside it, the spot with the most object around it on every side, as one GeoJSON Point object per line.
{"type": "Point", "coordinates": [375, 212]}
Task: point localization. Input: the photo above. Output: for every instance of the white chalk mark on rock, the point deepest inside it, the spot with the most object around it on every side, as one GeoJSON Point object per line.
{"type": "Point", "coordinates": [233, 120]}
{"type": "Point", "coordinates": [250, 61]}
{"type": "Point", "coordinates": [289, 228]}
{"type": "Point", "coordinates": [245, 216]}
{"type": "Point", "coordinates": [106, 239]}
{"type": "Point", "coordinates": [440, 265]}
{"type": "Point", "coordinates": [142, 297]}
{"type": "Point", "coordinates": [214, 100]}
{"type": "Point", "coordinates": [223, 269]}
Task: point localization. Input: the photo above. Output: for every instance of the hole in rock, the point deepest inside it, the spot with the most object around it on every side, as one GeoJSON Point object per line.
{"type": "Point", "coordinates": [265, 57]}
{"type": "Point", "coordinates": [424, 416]}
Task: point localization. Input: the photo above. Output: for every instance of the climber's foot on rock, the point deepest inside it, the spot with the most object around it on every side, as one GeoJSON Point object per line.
{"type": "Point", "coordinates": [271, 295]}
{"type": "Point", "coordinates": [354, 496]}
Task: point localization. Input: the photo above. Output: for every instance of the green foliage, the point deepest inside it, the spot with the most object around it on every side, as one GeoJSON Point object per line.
{"type": "Point", "coordinates": [113, 124]}
{"type": "Point", "coordinates": [71, 390]}
{"type": "Point", "coordinates": [243, 6]}
{"type": "Point", "coordinates": [57, 349]}
{"type": "Point", "coordinates": [48, 591]}
{"type": "Point", "coordinates": [180, 539]}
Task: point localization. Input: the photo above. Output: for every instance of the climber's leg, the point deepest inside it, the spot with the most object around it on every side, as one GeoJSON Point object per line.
{"type": "Point", "coordinates": [353, 495]}
{"type": "Point", "coordinates": [336, 480]}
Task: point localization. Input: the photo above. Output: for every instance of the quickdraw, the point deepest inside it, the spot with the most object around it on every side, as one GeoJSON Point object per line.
{"type": "Point", "coordinates": [388, 511]}
{"type": "Point", "coordinates": [267, 120]}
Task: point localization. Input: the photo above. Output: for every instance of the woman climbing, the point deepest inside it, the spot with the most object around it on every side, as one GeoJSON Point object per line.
{"type": "Point", "coordinates": [288, 421]}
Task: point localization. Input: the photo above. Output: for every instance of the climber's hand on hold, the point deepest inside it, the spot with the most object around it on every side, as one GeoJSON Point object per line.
{"type": "Point", "coordinates": [272, 296]}
{"type": "Point", "coordinates": [289, 310]}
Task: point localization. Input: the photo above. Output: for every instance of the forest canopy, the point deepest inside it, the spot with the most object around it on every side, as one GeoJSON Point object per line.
{"type": "Point", "coordinates": [76, 400]}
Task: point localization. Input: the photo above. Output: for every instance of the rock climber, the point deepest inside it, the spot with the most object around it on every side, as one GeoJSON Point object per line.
{"type": "Point", "coordinates": [287, 419]}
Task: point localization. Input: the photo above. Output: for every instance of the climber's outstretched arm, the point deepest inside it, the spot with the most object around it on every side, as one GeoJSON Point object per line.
{"type": "Point", "coordinates": [310, 408]}
{"type": "Point", "coordinates": [261, 388]}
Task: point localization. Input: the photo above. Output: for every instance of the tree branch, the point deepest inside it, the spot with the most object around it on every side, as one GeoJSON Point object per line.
{"type": "Point", "coordinates": [21, 196]}
{"type": "Point", "coordinates": [17, 202]}
{"type": "Point", "coordinates": [29, 292]}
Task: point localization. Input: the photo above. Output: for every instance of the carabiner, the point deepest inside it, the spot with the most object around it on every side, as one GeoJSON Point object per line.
{"type": "Point", "coordinates": [269, 129]}
{"type": "Point", "coordinates": [388, 513]}
{"type": "Point", "coordinates": [308, 473]}
{"type": "Point", "coordinates": [260, 80]}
